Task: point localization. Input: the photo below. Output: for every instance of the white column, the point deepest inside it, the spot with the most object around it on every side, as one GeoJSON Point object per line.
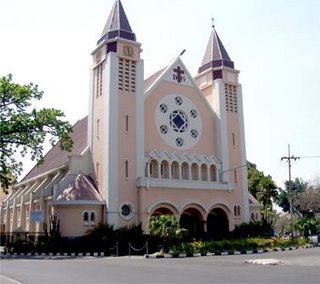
{"type": "Point", "coordinates": [208, 173]}
{"type": "Point", "coordinates": [179, 170]}
{"type": "Point", "coordinates": [139, 112]}
{"type": "Point", "coordinates": [159, 169]}
{"type": "Point", "coordinates": [170, 170]}
{"type": "Point", "coordinates": [222, 127]}
{"type": "Point", "coordinates": [244, 170]}
{"type": "Point", "coordinates": [110, 152]}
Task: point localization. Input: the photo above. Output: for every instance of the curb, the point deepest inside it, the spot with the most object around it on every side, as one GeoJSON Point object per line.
{"type": "Point", "coordinates": [71, 254]}
{"type": "Point", "coordinates": [224, 253]}
{"type": "Point", "coordinates": [153, 256]}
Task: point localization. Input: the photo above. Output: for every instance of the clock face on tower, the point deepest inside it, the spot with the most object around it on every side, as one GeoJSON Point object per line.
{"type": "Point", "coordinates": [178, 121]}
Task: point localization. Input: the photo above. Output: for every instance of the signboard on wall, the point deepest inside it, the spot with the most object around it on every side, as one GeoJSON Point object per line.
{"type": "Point", "coordinates": [36, 216]}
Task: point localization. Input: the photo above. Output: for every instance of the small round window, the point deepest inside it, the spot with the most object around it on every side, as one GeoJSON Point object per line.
{"type": "Point", "coordinates": [163, 129]}
{"type": "Point", "coordinates": [179, 141]}
{"type": "Point", "coordinates": [194, 133]}
{"type": "Point", "coordinates": [163, 108]}
{"type": "Point", "coordinates": [193, 113]}
{"type": "Point", "coordinates": [126, 211]}
{"type": "Point", "coordinates": [178, 100]}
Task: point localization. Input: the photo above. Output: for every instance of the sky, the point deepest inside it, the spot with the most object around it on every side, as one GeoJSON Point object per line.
{"type": "Point", "coordinates": [275, 45]}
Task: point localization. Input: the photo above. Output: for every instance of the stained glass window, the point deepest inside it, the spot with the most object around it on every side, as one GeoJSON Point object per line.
{"type": "Point", "coordinates": [178, 121]}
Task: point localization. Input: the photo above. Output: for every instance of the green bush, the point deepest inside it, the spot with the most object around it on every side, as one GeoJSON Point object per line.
{"type": "Point", "coordinates": [235, 245]}
{"type": "Point", "coordinates": [20, 246]}
{"type": "Point", "coordinates": [166, 227]}
{"type": "Point", "coordinates": [254, 229]}
{"type": "Point", "coordinates": [306, 225]}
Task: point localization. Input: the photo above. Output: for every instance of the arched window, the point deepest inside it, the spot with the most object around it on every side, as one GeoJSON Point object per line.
{"type": "Point", "coordinates": [97, 170]}
{"type": "Point", "coordinates": [98, 129]}
{"type": "Point", "coordinates": [153, 171]}
{"type": "Point", "coordinates": [185, 170]}
{"type": "Point", "coordinates": [175, 170]}
{"type": "Point", "coordinates": [204, 173]}
{"type": "Point", "coordinates": [239, 210]}
{"type": "Point", "coordinates": [127, 123]}
{"type": "Point", "coordinates": [126, 169]}
{"type": "Point", "coordinates": [213, 173]}
{"type": "Point", "coordinates": [235, 212]}
{"type": "Point", "coordinates": [93, 217]}
{"type": "Point", "coordinates": [164, 169]}
{"type": "Point", "coordinates": [195, 171]}
{"type": "Point", "coordinates": [85, 217]}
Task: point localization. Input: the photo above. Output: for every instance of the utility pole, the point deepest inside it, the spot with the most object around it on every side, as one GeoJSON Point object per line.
{"type": "Point", "coordinates": [288, 159]}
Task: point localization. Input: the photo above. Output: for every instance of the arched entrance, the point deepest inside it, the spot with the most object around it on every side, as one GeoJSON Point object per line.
{"type": "Point", "coordinates": [191, 219]}
{"type": "Point", "coordinates": [217, 224]}
{"type": "Point", "coordinates": [162, 211]}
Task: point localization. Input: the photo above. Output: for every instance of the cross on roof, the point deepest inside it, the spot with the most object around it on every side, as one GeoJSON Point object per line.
{"type": "Point", "coordinates": [178, 72]}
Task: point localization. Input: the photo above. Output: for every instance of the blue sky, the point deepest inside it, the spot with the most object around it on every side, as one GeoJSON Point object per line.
{"type": "Point", "coordinates": [275, 44]}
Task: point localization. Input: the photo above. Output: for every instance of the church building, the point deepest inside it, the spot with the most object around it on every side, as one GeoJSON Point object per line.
{"type": "Point", "coordinates": [167, 144]}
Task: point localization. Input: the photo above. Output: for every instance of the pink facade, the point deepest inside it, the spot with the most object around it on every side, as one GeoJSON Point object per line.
{"type": "Point", "coordinates": [170, 144]}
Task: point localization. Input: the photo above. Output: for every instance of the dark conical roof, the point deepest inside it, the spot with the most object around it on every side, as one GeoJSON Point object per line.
{"type": "Point", "coordinates": [216, 54]}
{"type": "Point", "coordinates": [117, 24]}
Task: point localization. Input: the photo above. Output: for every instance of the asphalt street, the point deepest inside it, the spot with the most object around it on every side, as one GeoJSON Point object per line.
{"type": "Point", "coordinates": [297, 266]}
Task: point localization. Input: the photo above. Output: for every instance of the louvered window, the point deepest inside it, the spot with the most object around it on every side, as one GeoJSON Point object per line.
{"type": "Point", "coordinates": [127, 75]}
{"type": "Point", "coordinates": [231, 100]}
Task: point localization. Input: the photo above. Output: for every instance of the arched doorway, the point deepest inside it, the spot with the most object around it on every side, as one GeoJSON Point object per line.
{"type": "Point", "coordinates": [191, 219]}
{"type": "Point", "coordinates": [162, 211]}
{"type": "Point", "coordinates": [217, 224]}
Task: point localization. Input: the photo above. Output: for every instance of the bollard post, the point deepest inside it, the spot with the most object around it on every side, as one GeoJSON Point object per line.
{"type": "Point", "coordinates": [129, 250]}
{"type": "Point", "coordinates": [117, 249]}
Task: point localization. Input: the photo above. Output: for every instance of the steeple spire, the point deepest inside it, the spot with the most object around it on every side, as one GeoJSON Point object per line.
{"type": "Point", "coordinates": [117, 25]}
{"type": "Point", "coordinates": [216, 55]}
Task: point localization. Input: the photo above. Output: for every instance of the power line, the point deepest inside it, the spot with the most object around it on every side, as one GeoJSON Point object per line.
{"type": "Point", "coordinates": [310, 157]}
{"type": "Point", "coordinates": [288, 159]}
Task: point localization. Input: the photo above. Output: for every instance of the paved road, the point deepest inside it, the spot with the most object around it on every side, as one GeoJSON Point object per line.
{"type": "Point", "coordinates": [298, 266]}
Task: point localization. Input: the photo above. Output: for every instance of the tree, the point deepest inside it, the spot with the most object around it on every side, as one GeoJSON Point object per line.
{"type": "Point", "coordinates": [23, 129]}
{"type": "Point", "coordinates": [297, 186]}
{"type": "Point", "coordinates": [263, 188]}
{"type": "Point", "coordinates": [308, 201]}
{"type": "Point", "coordinates": [307, 226]}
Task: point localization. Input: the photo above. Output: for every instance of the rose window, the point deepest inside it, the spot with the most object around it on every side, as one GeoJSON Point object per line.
{"type": "Point", "coordinates": [178, 121]}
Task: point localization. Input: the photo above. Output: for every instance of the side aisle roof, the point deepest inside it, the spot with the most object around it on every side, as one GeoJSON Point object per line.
{"type": "Point", "coordinates": [56, 157]}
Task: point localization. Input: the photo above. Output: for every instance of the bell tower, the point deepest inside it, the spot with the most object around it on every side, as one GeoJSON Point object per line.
{"type": "Point", "coordinates": [218, 81]}
{"type": "Point", "coordinates": [115, 127]}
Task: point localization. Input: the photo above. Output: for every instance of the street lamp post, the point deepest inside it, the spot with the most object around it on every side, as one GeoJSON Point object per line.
{"type": "Point", "coordinates": [233, 169]}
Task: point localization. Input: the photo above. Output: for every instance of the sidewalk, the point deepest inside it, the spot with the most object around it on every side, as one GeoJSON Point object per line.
{"type": "Point", "coordinates": [7, 280]}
